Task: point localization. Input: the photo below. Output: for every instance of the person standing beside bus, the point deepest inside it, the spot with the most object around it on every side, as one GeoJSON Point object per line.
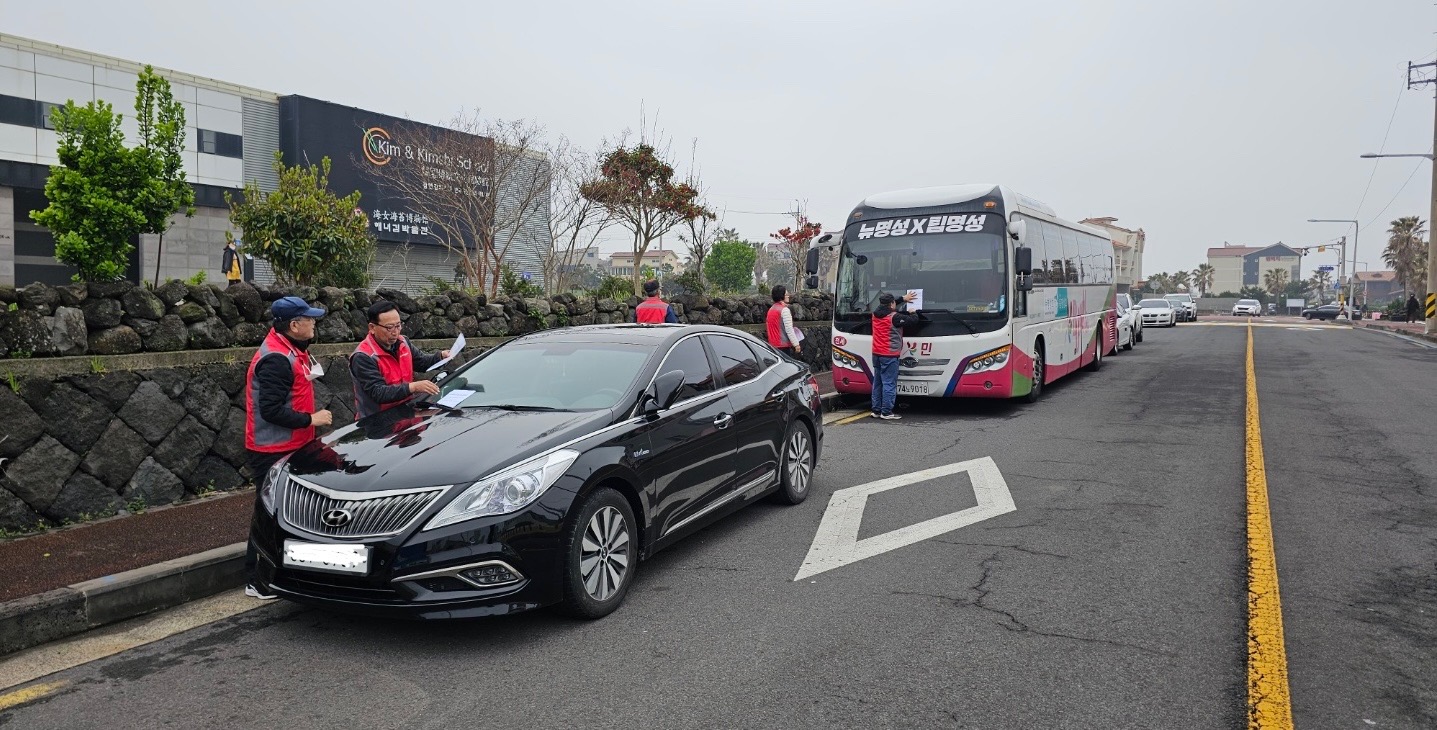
{"type": "Point", "coordinates": [781, 332]}
{"type": "Point", "coordinates": [654, 310]}
{"type": "Point", "coordinates": [888, 324]}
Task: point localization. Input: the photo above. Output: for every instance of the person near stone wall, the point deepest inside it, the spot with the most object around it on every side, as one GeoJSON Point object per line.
{"type": "Point", "coordinates": [654, 310]}
{"type": "Point", "coordinates": [382, 368]}
{"type": "Point", "coordinates": [234, 270]}
{"type": "Point", "coordinates": [279, 400]}
{"type": "Point", "coordinates": [781, 332]}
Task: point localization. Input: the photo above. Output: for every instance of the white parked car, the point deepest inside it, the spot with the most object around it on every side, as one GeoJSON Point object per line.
{"type": "Point", "coordinates": [1130, 325]}
{"type": "Point", "coordinates": [1186, 306]}
{"type": "Point", "coordinates": [1249, 307]}
{"type": "Point", "coordinates": [1158, 313]}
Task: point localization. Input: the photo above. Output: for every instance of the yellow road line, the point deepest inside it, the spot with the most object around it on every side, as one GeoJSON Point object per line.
{"type": "Point", "coordinates": [30, 694]}
{"type": "Point", "coordinates": [851, 419]}
{"type": "Point", "coordinates": [1269, 702]}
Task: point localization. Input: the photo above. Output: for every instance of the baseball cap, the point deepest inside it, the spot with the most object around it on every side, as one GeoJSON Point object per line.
{"type": "Point", "coordinates": [291, 307]}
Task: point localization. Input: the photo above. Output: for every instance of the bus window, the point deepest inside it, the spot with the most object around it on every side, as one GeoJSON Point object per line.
{"type": "Point", "coordinates": [1034, 241]}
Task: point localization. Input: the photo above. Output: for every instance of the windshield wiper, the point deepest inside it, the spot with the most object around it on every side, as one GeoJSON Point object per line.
{"type": "Point", "coordinates": [436, 404]}
{"type": "Point", "coordinates": [518, 407]}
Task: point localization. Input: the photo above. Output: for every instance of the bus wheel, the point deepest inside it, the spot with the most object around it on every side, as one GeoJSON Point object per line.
{"type": "Point", "coordinates": [1038, 372]}
{"type": "Point", "coordinates": [1097, 363]}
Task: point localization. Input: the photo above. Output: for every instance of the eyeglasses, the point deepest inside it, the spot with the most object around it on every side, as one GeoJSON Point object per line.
{"type": "Point", "coordinates": [391, 327]}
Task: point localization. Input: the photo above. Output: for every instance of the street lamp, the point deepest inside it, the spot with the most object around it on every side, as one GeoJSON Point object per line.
{"type": "Point", "coordinates": [1430, 326]}
{"type": "Point", "coordinates": [1352, 283]}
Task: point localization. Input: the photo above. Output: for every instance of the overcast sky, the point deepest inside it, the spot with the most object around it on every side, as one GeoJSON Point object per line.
{"type": "Point", "coordinates": [1198, 122]}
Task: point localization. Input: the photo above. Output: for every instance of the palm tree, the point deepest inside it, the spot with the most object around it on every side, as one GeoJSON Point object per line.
{"type": "Point", "coordinates": [1203, 278]}
{"type": "Point", "coordinates": [1275, 280]}
{"type": "Point", "coordinates": [1321, 282]}
{"type": "Point", "coordinates": [1160, 283]}
{"type": "Point", "coordinates": [1406, 251]}
{"type": "Point", "coordinates": [1181, 280]}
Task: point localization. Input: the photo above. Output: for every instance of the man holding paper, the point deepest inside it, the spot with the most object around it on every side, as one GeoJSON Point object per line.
{"type": "Point", "coordinates": [383, 366]}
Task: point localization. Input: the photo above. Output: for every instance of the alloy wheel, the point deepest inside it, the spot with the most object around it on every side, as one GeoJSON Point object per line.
{"type": "Point", "coordinates": [604, 554]}
{"type": "Point", "coordinates": [798, 457]}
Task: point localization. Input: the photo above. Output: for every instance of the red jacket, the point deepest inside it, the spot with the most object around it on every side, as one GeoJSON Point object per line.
{"type": "Point", "coordinates": [652, 311]}
{"type": "Point", "coordinates": [261, 435]}
{"type": "Point", "coordinates": [777, 333]}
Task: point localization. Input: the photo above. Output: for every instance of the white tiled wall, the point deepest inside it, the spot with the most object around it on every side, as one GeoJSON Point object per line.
{"type": "Point", "coordinates": [39, 76]}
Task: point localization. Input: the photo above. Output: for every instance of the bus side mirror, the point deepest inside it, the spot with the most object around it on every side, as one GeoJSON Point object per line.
{"type": "Point", "coordinates": [811, 265]}
{"type": "Point", "coordinates": [1023, 263]}
{"type": "Point", "coordinates": [1018, 229]}
{"type": "Point", "coordinates": [811, 282]}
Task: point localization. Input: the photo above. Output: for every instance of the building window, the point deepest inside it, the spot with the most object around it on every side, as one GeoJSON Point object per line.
{"type": "Point", "coordinates": [17, 111]}
{"type": "Point", "coordinates": [221, 143]}
{"type": "Point", "coordinates": [45, 120]}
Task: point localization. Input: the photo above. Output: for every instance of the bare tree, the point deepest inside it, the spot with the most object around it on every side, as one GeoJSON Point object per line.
{"type": "Point", "coordinates": [575, 222]}
{"type": "Point", "coordinates": [481, 184]}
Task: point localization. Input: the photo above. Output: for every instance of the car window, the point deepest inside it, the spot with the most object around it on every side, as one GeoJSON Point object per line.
{"type": "Point", "coordinates": [689, 356]}
{"type": "Point", "coordinates": [767, 358]}
{"type": "Point", "coordinates": [564, 375]}
{"type": "Point", "coordinates": [736, 361]}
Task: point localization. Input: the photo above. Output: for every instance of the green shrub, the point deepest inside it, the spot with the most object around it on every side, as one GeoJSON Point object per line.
{"type": "Point", "coordinates": [517, 286]}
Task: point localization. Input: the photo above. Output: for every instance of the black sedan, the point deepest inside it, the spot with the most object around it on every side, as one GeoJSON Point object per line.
{"type": "Point", "coordinates": [1326, 311]}
{"type": "Point", "coordinates": [543, 473]}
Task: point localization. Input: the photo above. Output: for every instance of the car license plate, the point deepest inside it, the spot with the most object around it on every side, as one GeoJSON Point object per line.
{"type": "Point", "coordinates": [351, 559]}
{"type": "Point", "coordinates": [912, 388]}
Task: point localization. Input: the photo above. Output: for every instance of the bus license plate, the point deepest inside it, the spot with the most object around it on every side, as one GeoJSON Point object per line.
{"type": "Point", "coordinates": [912, 388]}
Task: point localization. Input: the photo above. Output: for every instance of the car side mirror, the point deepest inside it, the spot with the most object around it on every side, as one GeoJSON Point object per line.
{"type": "Point", "coordinates": [662, 394]}
{"type": "Point", "coordinates": [1023, 263]}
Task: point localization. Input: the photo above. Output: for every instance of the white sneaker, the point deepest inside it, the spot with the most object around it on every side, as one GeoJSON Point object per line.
{"type": "Point", "coordinates": [253, 592]}
{"type": "Point", "coordinates": [891, 417]}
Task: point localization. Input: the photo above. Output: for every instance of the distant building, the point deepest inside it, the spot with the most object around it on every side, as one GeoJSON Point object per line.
{"type": "Point", "coordinates": [622, 263]}
{"type": "Point", "coordinates": [1127, 251]}
{"type": "Point", "coordinates": [585, 257]}
{"type": "Point", "coordinates": [1379, 287]}
{"type": "Point", "coordinates": [1235, 267]}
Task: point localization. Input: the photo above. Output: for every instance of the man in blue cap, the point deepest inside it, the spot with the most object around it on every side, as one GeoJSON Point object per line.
{"type": "Point", "coordinates": [279, 398]}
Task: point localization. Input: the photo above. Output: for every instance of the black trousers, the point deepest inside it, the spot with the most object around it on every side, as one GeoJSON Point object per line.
{"type": "Point", "coordinates": [259, 463]}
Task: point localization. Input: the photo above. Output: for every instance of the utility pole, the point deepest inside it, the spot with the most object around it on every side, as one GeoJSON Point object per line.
{"type": "Point", "coordinates": [1430, 309]}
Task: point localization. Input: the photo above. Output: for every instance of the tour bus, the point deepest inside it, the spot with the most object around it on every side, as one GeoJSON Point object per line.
{"type": "Point", "coordinates": [1009, 296]}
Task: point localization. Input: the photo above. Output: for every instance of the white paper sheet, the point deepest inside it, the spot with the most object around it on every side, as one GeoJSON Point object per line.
{"type": "Point", "coordinates": [917, 302]}
{"type": "Point", "coordinates": [454, 351]}
{"type": "Point", "coordinates": [453, 398]}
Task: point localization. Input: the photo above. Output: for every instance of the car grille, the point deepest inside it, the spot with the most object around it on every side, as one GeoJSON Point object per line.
{"type": "Point", "coordinates": [306, 505]}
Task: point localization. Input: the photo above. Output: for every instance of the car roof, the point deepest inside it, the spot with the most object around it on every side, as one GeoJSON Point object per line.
{"type": "Point", "coordinates": [647, 335]}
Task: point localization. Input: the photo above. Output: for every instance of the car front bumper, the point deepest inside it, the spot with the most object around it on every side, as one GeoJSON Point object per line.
{"type": "Point", "coordinates": [414, 575]}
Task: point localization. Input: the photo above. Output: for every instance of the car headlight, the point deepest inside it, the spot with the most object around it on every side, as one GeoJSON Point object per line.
{"type": "Point", "coordinates": [508, 491]}
{"type": "Point", "coordinates": [266, 490]}
{"type": "Point", "coordinates": [990, 360]}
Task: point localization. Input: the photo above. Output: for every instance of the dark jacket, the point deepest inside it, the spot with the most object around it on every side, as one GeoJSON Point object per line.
{"type": "Point", "coordinates": [229, 261]}
{"type": "Point", "coordinates": [364, 370]}
{"type": "Point", "coordinates": [900, 320]}
{"type": "Point", "coordinates": [1413, 307]}
{"type": "Point", "coordinates": [276, 385]}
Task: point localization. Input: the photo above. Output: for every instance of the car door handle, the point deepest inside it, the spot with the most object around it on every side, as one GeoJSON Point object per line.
{"type": "Point", "coordinates": [723, 421]}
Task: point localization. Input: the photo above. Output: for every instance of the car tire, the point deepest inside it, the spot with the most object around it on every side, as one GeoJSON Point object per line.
{"type": "Point", "coordinates": [1039, 371]}
{"type": "Point", "coordinates": [593, 534]}
{"type": "Point", "coordinates": [1132, 337]}
{"type": "Point", "coordinates": [795, 468]}
{"type": "Point", "coordinates": [1307, 317]}
{"type": "Point", "coordinates": [1139, 336]}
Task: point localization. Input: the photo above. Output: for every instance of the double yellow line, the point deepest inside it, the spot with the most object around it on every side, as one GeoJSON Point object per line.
{"type": "Point", "coordinates": [1269, 702]}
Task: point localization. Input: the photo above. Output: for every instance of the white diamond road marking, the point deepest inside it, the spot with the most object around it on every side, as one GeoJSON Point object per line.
{"type": "Point", "coordinates": [836, 543]}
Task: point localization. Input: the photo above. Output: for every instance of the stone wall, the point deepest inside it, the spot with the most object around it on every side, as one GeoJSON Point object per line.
{"type": "Point", "coordinates": [84, 445]}
{"type": "Point", "coordinates": [122, 318]}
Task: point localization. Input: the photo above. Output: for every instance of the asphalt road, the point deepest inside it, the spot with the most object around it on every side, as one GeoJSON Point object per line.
{"type": "Point", "coordinates": [1113, 595]}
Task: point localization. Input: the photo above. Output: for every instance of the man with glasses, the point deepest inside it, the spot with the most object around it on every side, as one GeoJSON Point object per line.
{"type": "Point", "coordinates": [383, 366]}
{"type": "Point", "coordinates": [279, 400]}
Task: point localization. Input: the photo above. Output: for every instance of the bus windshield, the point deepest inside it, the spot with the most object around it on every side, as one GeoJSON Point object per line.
{"type": "Point", "coordinates": [960, 272]}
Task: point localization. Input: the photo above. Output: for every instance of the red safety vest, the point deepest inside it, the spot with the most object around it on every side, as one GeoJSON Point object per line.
{"type": "Point", "coordinates": [887, 339]}
{"type": "Point", "coordinates": [652, 311]}
{"type": "Point", "coordinates": [395, 369]}
{"type": "Point", "coordinates": [777, 335]}
{"type": "Point", "coordinates": [271, 438]}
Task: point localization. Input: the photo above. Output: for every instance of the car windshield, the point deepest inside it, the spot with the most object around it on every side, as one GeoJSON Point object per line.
{"type": "Point", "coordinates": [1247, 302]}
{"type": "Point", "coordinates": [1155, 304]}
{"type": "Point", "coordinates": [1179, 297]}
{"type": "Point", "coordinates": [574, 376]}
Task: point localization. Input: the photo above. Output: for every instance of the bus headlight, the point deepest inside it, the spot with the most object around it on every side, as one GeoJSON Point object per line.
{"type": "Point", "coordinates": [846, 359]}
{"type": "Point", "coordinates": [991, 360]}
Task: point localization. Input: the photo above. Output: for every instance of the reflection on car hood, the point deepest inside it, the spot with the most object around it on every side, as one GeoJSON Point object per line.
{"type": "Point", "coordinates": [403, 447]}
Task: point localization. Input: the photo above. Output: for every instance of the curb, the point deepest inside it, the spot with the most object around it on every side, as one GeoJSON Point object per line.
{"type": "Point", "coordinates": [35, 620]}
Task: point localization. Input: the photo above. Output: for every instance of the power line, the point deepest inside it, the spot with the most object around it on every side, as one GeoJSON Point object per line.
{"type": "Point", "coordinates": [1382, 148]}
{"type": "Point", "coordinates": [1399, 192]}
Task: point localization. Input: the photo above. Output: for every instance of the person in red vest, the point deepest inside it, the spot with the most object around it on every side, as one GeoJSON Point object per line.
{"type": "Point", "coordinates": [781, 332]}
{"type": "Point", "coordinates": [279, 399]}
{"type": "Point", "coordinates": [888, 324]}
{"type": "Point", "coordinates": [654, 310]}
{"type": "Point", "coordinates": [382, 368]}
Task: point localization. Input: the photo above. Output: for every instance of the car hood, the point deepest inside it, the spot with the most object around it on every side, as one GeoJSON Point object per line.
{"type": "Point", "coordinates": [404, 447]}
